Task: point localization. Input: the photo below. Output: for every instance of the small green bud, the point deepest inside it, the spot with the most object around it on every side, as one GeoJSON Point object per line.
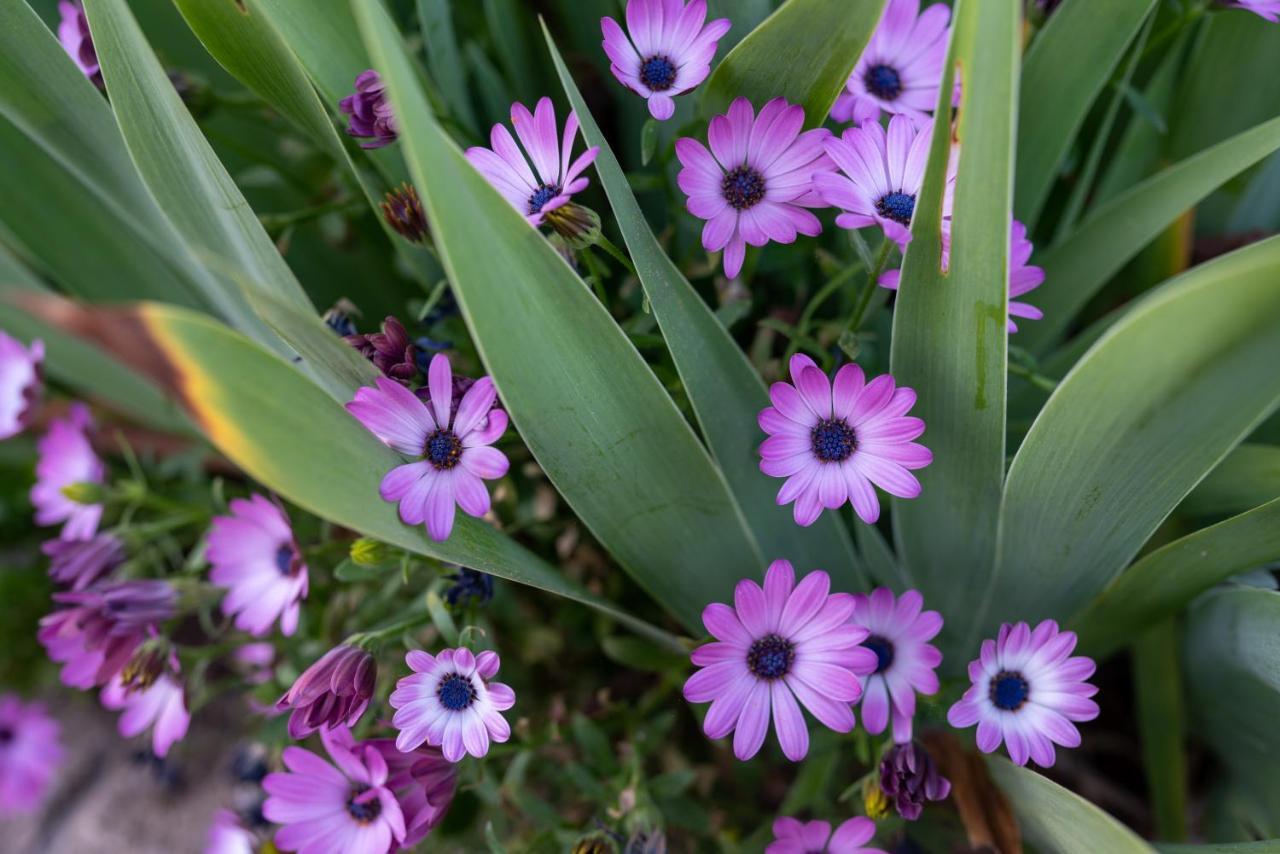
{"type": "Point", "coordinates": [84, 492]}
{"type": "Point", "coordinates": [368, 552]}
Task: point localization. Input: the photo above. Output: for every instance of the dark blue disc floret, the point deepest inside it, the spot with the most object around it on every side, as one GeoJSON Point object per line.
{"type": "Point", "coordinates": [1009, 690]}
{"type": "Point", "coordinates": [742, 187]}
{"type": "Point", "coordinates": [363, 811]}
{"type": "Point", "coordinates": [541, 196]}
{"type": "Point", "coordinates": [897, 206]}
{"type": "Point", "coordinates": [456, 692]}
{"type": "Point", "coordinates": [883, 81]}
{"type": "Point", "coordinates": [883, 648]}
{"type": "Point", "coordinates": [443, 449]}
{"type": "Point", "coordinates": [284, 559]}
{"type": "Point", "coordinates": [658, 73]}
{"type": "Point", "coordinates": [770, 657]}
{"type": "Point", "coordinates": [833, 440]}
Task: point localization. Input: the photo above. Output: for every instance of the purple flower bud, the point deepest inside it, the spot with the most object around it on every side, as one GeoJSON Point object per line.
{"type": "Point", "coordinates": [390, 350]}
{"type": "Point", "coordinates": [73, 32]}
{"type": "Point", "coordinates": [369, 113]}
{"type": "Point", "coordinates": [909, 777]}
{"type": "Point", "coordinates": [335, 691]}
{"type": "Point", "coordinates": [102, 626]}
{"type": "Point", "coordinates": [403, 211]}
{"type": "Point", "coordinates": [79, 563]}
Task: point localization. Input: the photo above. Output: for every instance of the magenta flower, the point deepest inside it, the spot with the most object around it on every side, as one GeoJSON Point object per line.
{"type": "Point", "coordinates": [79, 563]}
{"type": "Point", "coordinates": [228, 836]}
{"type": "Point", "coordinates": [73, 33]}
{"type": "Point", "coordinates": [333, 692]}
{"type": "Point", "coordinates": [449, 702]}
{"type": "Point", "coordinates": [754, 184]}
{"type": "Point", "coordinates": [328, 810]}
{"type": "Point", "coordinates": [424, 783]}
{"type": "Point", "coordinates": [452, 452]}
{"type": "Point", "coordinates": [1026, 692]}
{"type": "Point", "coordinates": [669, 51]}
{"type": "Point", "coordinates": [792, 836]}
{"type": "Point", "coordinates": [65, 458]}
{"type": "Point", "coordinates": [20, 383]}
{"type": "Point", "coordinates": [102, 626]}
{"type": "Point", "coordinates": [1268, 9]}
{"type": "Point", "coordinates": [253, 553]}
{"type": "Point", "coordinates": [553, 179]}
{"type": "Point", "coordinates": [900, 69]}
{"type": "Point", "coordinates": [160, 706]}
{"type": "Point", "coordinates": [899, 635]}
{"type": "Point", "coordinates": [832, 442]}
{"type": "Point", "coordinates": [786, 642]}
{"type": "Point", "coordinates": [30, 754]}
{"type": "Point", "coordinates": [369, 113]}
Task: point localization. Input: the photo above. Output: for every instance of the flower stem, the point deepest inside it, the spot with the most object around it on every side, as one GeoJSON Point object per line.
{"type": "Point", "coordinates": [868, 289]}
{"type": "Point", "coordinates": [621, 257]}
{"type": "Point", "coordinates": [390, 630]}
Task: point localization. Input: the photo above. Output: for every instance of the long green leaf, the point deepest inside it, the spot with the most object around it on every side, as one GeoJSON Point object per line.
{"type": "Point", "coordinates": [1146, 413]}
{"type": "Point", "coordinates": [1161, 584]}
{"type": "Point", "coordinates": [726, 392]}
{"type": "Point", "coordinates": [803, 52]}
{"type": "Point", "coordinates": [1078, 267]}
{"type": "Point", "coordinates": [1065, 69]}
{"type": "Point", "coordinates": [949, 338]}
{"type": "Point", "coordinates": [1157, 668]}
{"type": "Point", "coordinates": [1249, 476]}
{"type": "Point", "coordinates": [445, 60]}
{"type": "Point", "coordinates": [591, 411]}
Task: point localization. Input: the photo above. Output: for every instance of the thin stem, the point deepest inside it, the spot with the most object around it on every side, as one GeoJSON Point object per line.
{"type": "Point", "coordinates": [621, 257]}
{"type": "Point", "coordinates": [389, 630]}
{"type": "Point", "coordinates": [873, 275]}
{"type": "Point", "coordinates": [1038, 380]}
{"type": "Point", "coordinates": [281, 221]}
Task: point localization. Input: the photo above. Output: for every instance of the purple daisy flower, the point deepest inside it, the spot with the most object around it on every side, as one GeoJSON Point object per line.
{"type": "Point", "coordinates": [1268, 9]}
{"type": "Point", "coordinates": [909, 776]}
{"type": "Point", "coordinates": [452, 451]}
{"type": "Point", "coordinates": [900, 69]}
{"type": "Point", "coordinates": [754, 184]}
{"type": "Point", "coordinates": [79, 563]}
{"type": "Point", "coordinates": [253, 553]}
{"type": "Point", "coordinates": [73, 32]}
{"type": "Point", "coordinates": [161, 706]}
{"type": "Point", "coordinates": [1026, 692]}
{"type": "Point", "coordinates": [792, 836]}
{"type": "Point", "coordinates": [334, 692]}
{"type": "Point", "coordinates": [30, 753]}
{"type": "Point", "coordinates": [424, 783]}
{"type": "Point", "coordinates": [102, 626]}
{"type": "Point", "coordinates": [20, 383]}
{"type": "Point", "coordinates": [668, 53]}
{"type": "Point", "coordinates": [326, 810]}
{"type": "Point", "coordinates": [228, 836]}
{"type": "Point", "coordinates": [449, 702]}
{"type": "Point", "coordinates": [65, 458]}
{"type": "Point", "coordinates": [553, 179]}
{"type": "Point", "coordinates": [784, 643]}
{"type": "Point", "coordinates": [898, 634]}
{"type": "Point", "coordinates": [369, 113]}
{"type": "Point", "coordinates": [832, 442]}
{"type": "Point", "coordinates": [880, 175]}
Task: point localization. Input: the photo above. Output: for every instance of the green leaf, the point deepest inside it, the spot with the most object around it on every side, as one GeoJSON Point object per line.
{"type": "Point", "coordinates": [1057, 820]}
{"type": "Point", "coordinates": [726, 392]}
{"type": "Point", "coordinates": [949, 338]}
{"type": "Point", "coordinates": [1161, 584]}
{"type": "Point", "coordinates": [1157, 669]}
{"type": "Point", "coordinates": [878, 558]}
{"type": "Point", "coordinates": [1162, 397]}
{"type": "Point", "coordinates": [1078, 267]}
{"type": "Point", "coordinates": [445, 60]}
{"type": "Point", "coordinates": [596, 418]}
{"type": "Point", "coordinates": [1249, 476]}
{"type": "Point", "coordinates": [442, 619]}
{"type": "Point", "coordinates": [803, 52]}
{"type": "Point", "coordinates": [648, 134]}
{"type": "Point", "coordinates": [1065, 69]}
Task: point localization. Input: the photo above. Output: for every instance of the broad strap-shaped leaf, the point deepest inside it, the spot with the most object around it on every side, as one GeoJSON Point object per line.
{"type": "Point", "coordinates": [1162, 583]}
{"type": "Point", "coordinates": [949, 338]}
{"type": "Point", "coordinates": [1162, 397]}
{"type": "Point", "coordinates": [596, 418]}
{"type": "Point", "coordinates": [726, 392]}
{"type": "Point", "coordinates": [1065, 69]}
{"type": "Point", "coordinates": [803, 52]}
{"type": "Point", "coordinates": [1249, 476]}
{"type": "Point", "coordinates": [445, 60]}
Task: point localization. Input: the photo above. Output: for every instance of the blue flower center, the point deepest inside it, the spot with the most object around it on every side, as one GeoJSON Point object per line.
{"type": "Point", "coordinates": [6, 735]}
{"type": "Point", "coordinates": [897, 206]}
{"type": "Point", "coordinates": [742, 187]}
{"type": "Point", "coordinates": [456, 692]}
{"type": "Point", "coordinates": [833, 440]}
{"type": "Point", "coordinates": [658, 73]}
{"type": "Point", "coordinates": [541, 196]}
{"type": "Point", "coordinates": [883, 648]}
{"type": "Point", "coordinates": [284, 559]}
{"type": "Point", "coordinates": [443, 449]}
{"type": "Point", "coordinates": [770, 657]}
{"type": "Point", "coordinates": [883, 82]}
{"type": "Point", "coordinates": [1009, 690]}
{"type": "Point", "coordinates": [363, 811]}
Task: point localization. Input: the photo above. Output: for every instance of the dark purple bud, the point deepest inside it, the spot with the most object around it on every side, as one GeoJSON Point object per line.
{"type": "Point", "coordinates": [403, 211]}
{"type": "Point", "coordinates": [97, 632]}
{"type": "Point", "coordinates": [79, 563]}
{"type": "Point", "coordinates": [335, 691]}
{"type": "Point", "coordinates": [909, 777]}
{"type": "Point", "coordinates": [391, 350]}
{"type": "Point", "coordinates": [369, 114]}
{"type": "Point", "coordinates": [121, 607]}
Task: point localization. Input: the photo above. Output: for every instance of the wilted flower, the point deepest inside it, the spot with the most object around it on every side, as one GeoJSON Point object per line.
{"type": "Point", "coordinates": [900, 69]}
{"type": "Point", "coordinates": [67, 458]}
{"type": "Point", "coordinates": [792, 836]}
{"type": "Point", "coordinates": [786, 642]}
{"type": "Point", "coordinates": [228, 836]}
{"type": "Point", "coordinates": [162, 706]}
{"type": "Point", "coordinates": [73, 32]}
{"type": "Point", "coordinates": [833, 441]}
{"type": "Point", "coordinates": [553, 179]}
{"type": "Point", "coordinates": [19, 383]}
{"type": "Point", "coordinates": [96, 635]}
{"type": "Point", "coordinates": [1268, 9]}
{"type": "Point", "coordinates": [402, 209]}
{"type": "Point", "coordinates": [328, 810]}
{"type": "Point", "coordinates": [79, 563]}
{"type": "Point", "coordinates": [30, 753]}
{"type": "Point", "coordinates": [905, 660]}
{"type": "Point", "coordinates": [333, 692]}
{"type": "Point", "coordinates": [1026, 692]}
{"type": "Point", "coordinates": [908, 775]}
{"type": "Point", "coordinates": [424, 783]}
{"type": "Point", "coordinates": [369, 113]}
{"type": "Point", "coordinates": [469, 586]}
{"type": "Point", "coordinates": [390, 350]}
{"type": "Point", "coordinates": [452, 453]}
{"type": "Point", "coordinates": [669, 51]}
{"type": "Point", "coordinates": [754, 184]}
{"type": "Point", "coordinates": [449, 702]}
{"type": "Point", "coordinates": [253, 553]}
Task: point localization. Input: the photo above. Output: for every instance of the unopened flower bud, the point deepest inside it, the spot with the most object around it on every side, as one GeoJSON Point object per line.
{"type": "Point", "coordinates": [335, 691]}
{"type": "Point", "coordinates": [83, 492]}
{"type": "Point", "coordinates": [577, 225]}
{"type": "Point", "coordinates": [369, 552]}
{"type": "Point", "coordinates": [402, 209]}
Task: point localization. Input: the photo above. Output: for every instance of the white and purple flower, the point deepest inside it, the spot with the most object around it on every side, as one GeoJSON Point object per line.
{"type": "Point", "coordinates": [30, 754]}
{"type": "Point", "coordinates": [20, 383]}
{"type": "Point", "coordinates": [253, 553]}
{"type": "Point", "coordinates": [899, 635]}
{"type": "Point", "coordinates": [160, 706]}
{"type": "Point", "coordinates": [449, 702]}
{"type": "Point", "coordinates": [67, 458]}
{"type": "Point", "coordinates": [792, 836]}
